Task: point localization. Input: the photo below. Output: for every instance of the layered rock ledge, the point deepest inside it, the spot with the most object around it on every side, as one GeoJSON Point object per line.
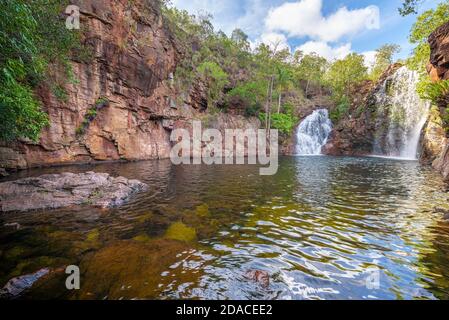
{"type": "Point", "coordinates": [53, 191]}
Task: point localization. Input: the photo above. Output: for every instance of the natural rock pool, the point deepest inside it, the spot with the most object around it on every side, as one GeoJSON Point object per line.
{"type": "Point", "coordinates": [323, 228]}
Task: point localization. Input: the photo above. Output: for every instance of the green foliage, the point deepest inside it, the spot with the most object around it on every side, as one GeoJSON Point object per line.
{"type": "Point", "coordinates": [101, 102]}
{"type": "Point", "coordinates": [282, 122]}
{"type": "Point", "coordinates": [253, 110]}
{"type": "Point", "coordinates": [310, 68]}
{"type": "Point", "coordinates": [384, 58]}
{"type": "Point", "coordinates": [240, 39]}
{"type": "Point", "coordinates": [215, 78]}
{"type": "Point", "coordinates": [233, 74]}
{"type": "Point", "coordinates": [32, 37]}
{"type": "Point", "coordinates": [251, 94]}
{"type": "Point", "coordinates": [267, 78]}
{"type": "Point", "coordinates": [289, 109]}
{"type": "Point", "coordinates": [409, 7]}
{"type": "Point", "coordinates": [340, 110]}
{"type": "Point", "coordinates": [20, 113]}
{"type": "Point", "coordinates": [91, 114]}
{"type": "Point", "coordinates": [203, 50]}
{"type": "Point", "coordinates": [344, 74]}
{"type": "Point", "coordinates": [436, 92]}
{"type": "Point", "coordinates": [60, 93]}
{"type": "Point", "coordinates": [249, 91]}
{"type": "Point", "coordinates": [425, 24]}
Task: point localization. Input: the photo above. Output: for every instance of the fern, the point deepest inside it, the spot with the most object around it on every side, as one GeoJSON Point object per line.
{"type": "Point", "coordinates": [437, 92]}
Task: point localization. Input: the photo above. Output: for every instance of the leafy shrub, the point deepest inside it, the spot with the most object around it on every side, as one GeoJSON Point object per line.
{"type": "Point", "coordinates": [253, 110]}
{"type": "Point", "coordinates": [20, 113]}
{"type": "Point", "coordinates": [32, 37]}
{"type": "Point", "coordinates": [280, 121]}
{"type": "Point", "coordinates": [436, 92]}
{"type": "Point", "coordinates": [215, 77]}
{"type": "Point", "coordinates": [340, 110]}
{"type": "Point", "coordinates": [250, 93]}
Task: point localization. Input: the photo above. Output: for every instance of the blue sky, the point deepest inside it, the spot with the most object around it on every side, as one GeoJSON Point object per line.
{"type": "Point", "coordinates": [332, 28]}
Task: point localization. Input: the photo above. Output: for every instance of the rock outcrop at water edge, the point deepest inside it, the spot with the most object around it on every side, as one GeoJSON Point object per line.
{"type": "Point", "coordinates": [53, 191]}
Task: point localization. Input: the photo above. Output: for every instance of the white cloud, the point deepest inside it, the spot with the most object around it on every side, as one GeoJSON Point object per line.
{"type": "Point", "coordinates": [277, 21]}
{"type": "Point", "coordinates": [326, 51]}
{"type": "Point", "coordinates": [274, 40]}
{"type": "Point", "coordinates": [370, 58]}
{"type": "Point", "coordinates": [333, 53]}
{"type": "Point", "coordinates": [305, 19]}
{"type": "Point", "coordinates": [223, 12]}
{"type": "Point", "coordinates": [255, 11]}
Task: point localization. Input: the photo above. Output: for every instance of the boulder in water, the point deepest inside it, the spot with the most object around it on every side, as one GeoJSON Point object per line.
{"type": "Point", "coordinates": [53, 191]}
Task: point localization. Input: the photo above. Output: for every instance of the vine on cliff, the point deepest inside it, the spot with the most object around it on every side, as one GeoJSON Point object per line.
{"type": "Point", "coordinates": [33, 37]}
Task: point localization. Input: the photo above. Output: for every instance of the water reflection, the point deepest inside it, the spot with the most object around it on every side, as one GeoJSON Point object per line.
{"type": "Point", "coordinates": [321, 227]}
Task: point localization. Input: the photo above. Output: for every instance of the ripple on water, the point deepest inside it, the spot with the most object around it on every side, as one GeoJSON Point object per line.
{"type": "Point", "coordinates": [323, 228]}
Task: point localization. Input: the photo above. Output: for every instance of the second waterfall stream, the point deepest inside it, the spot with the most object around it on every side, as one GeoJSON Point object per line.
{"type": "Point", "coordinates": [401, 116]}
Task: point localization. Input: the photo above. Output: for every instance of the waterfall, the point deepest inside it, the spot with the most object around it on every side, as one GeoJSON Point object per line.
{"type": "Point", "coordinates": [313, 132]}
{"type": "Point", "coordinates": [401, 115]}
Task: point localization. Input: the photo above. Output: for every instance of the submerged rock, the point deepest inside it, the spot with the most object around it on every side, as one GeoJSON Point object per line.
{"type": "Point", "coordinates": [134, 270]}
{"type": "Point", "coordinates": [16, 286]}
{"type": "Point", "coordinates": [179, 231]}
{"type": "Point", "coordinates": [259, 276]}
{"type": "Point", "coordinates": [53, 191]}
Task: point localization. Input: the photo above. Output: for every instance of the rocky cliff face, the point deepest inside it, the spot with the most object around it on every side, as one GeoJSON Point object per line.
{"type": "Point", "coordinates": [439, 58]}
{"type": "Point", "coordinates": [438, 69]}
{"type": "Point", "coordinates": [123, 106]}
{"type": "Point", "coordinates": [134, 56]}
{"type": "Point", "coordinates": [355, 135]}
{"type": "Point", "coordinates": [433, 138]}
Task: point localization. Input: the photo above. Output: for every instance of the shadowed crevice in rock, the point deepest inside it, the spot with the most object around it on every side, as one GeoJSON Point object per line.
{"type": "Point", "coordinates": [53, 191]}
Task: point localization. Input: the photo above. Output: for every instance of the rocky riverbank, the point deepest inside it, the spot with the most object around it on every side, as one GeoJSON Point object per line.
{"type": "Point", "coordinates": [53, 191]}
{"type": "Point", "coordinates": [438, 69]}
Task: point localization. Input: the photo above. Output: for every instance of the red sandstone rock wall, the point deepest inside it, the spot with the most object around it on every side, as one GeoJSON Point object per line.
{"type": "Point", "coordinates": [135, 57]}
{"type": "Point", "coordinates": [438, 69]}
{"type": "Point", "coordinates": [439, 57]}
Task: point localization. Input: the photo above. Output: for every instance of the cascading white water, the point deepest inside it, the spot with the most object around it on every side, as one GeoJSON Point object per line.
{"type": "Point", "coordinates": [401, 116]}
{"type": "Point", "coordinates": [313, 132]}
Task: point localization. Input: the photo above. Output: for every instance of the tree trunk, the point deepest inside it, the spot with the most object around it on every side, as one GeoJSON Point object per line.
{"type": "Point", "coordinates": [270, 105]}
{"type": "Point", "coordinates": [279, 103]}
{"type": "Point", "coordinates": [307, 88]}
{"type": "Point", "coordinates": [266, 105]}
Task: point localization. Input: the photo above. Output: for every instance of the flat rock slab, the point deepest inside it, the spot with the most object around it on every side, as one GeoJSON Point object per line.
{"type": "Point", "coordinates": [53, 191]}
